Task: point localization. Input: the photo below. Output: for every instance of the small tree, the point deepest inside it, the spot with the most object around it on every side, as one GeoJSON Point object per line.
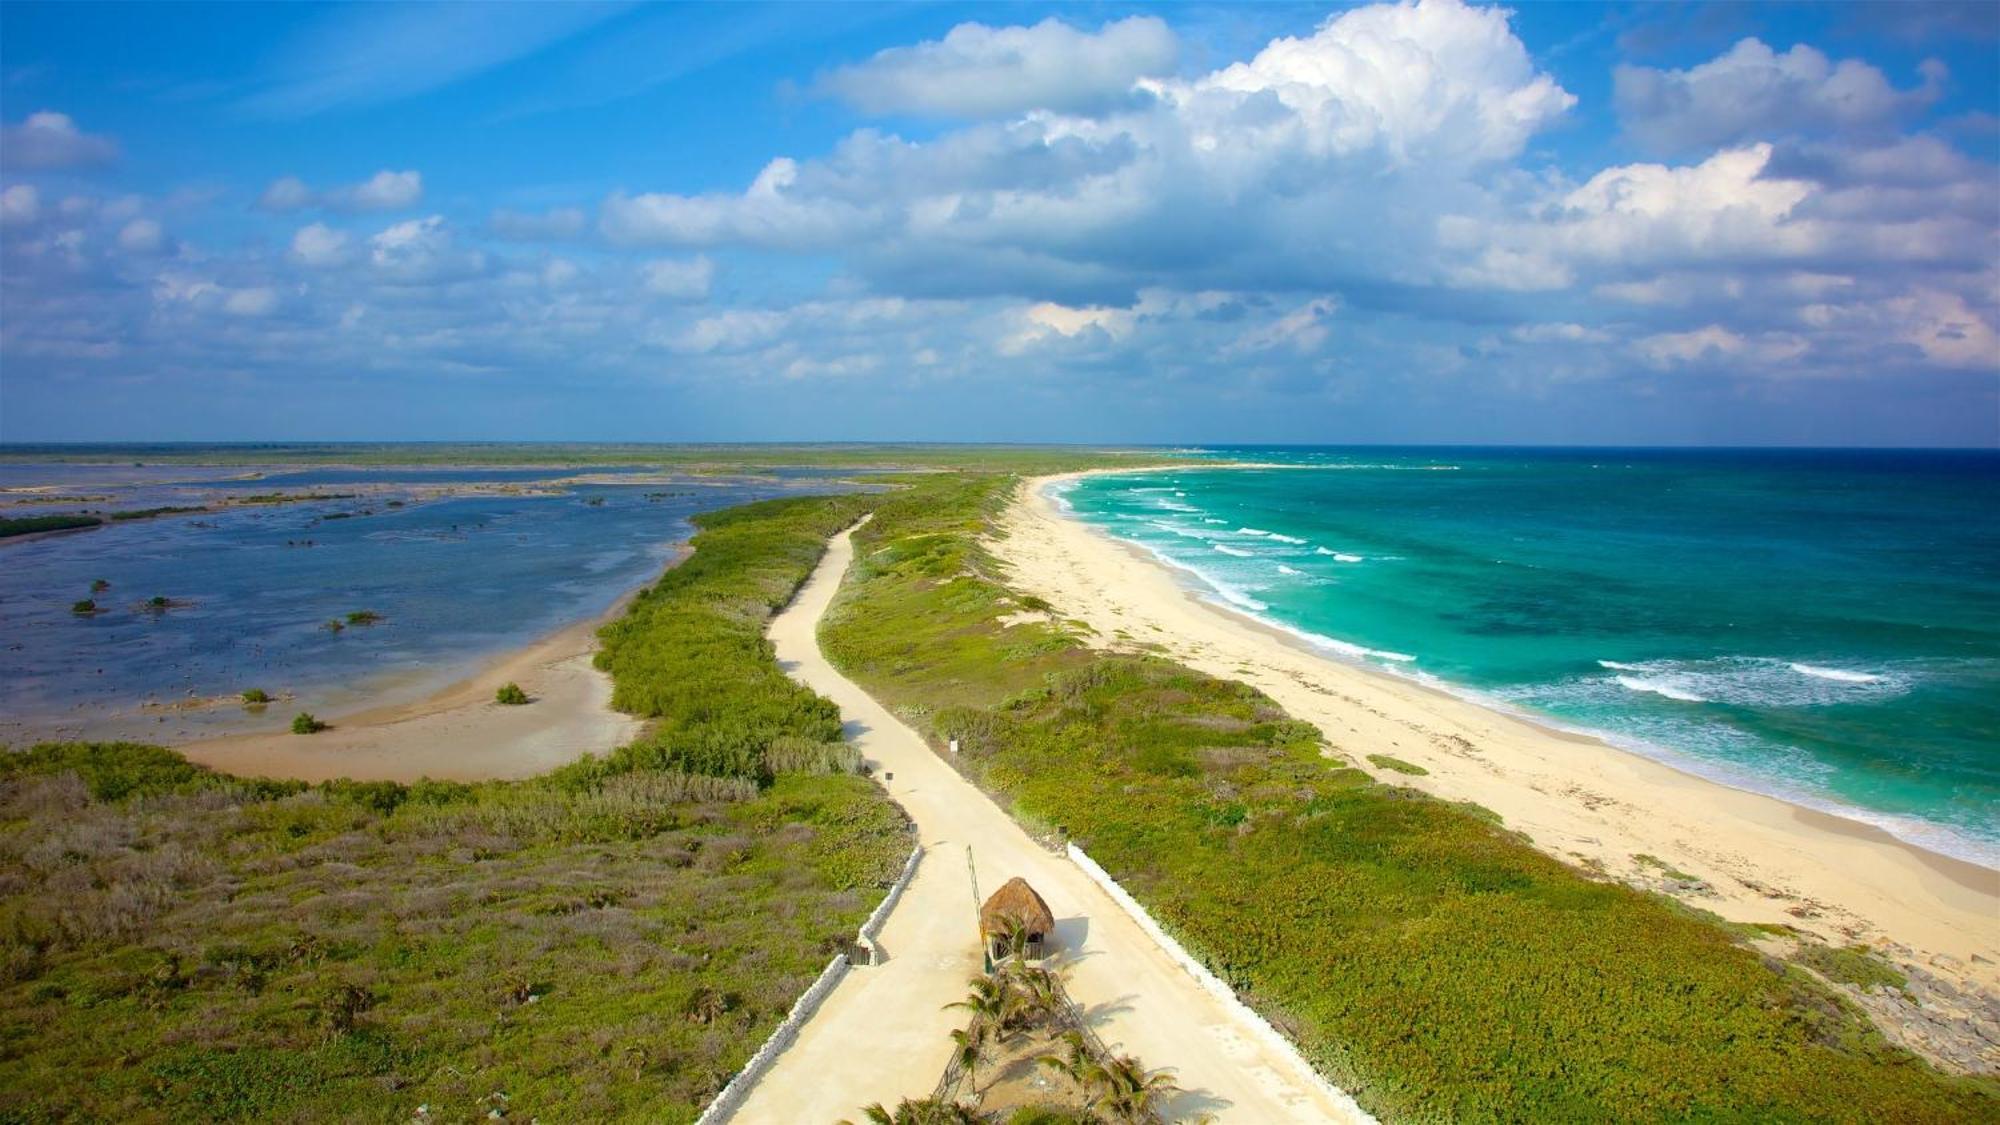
{"type": "Point", "coordinates": [304, 723]}
{"type": "Point", "coordinates": [511, 693]}
{"type": "Point", "coordinates": [256, 697]}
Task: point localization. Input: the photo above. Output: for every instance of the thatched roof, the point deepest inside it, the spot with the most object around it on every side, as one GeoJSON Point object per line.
{"type": "Point", "coordinates": [1019, 902]}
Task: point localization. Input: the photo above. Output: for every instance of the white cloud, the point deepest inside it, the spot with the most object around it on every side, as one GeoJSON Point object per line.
{"type": "Point", "coordinates": [384, 191]}
{"type": "Point", "coordinates": [258, 301]}
{"type": "Point", "coordinates": [1558, 332]}
{"type": "Point", "coordinates": [1714, 343]}
{"type": "Point", "coordinates": [560, 272]}
{"type": "Point", "coordinates": [141, 236]}
{"type": "Point", "coordinates": [733, 331]}
{"type": "Point", "coordinates": [552, 225]}
{"type": "Point", "coordinates": [1753, 93]}
{"type": "Point", "coordinates": [20, 204]}
{"type": "Point", "coordinates": [420, 251]}
{"type": "Point", "coordinates": [318, 245]}
{"type": "Point", "coordinates": [1304, 330]}
{"type": "Point", "coordinates": [683, 279]}
{"type": "Point", "coordinates": [52, 140]}
{"type": "Point", "coordinates": [979, 71]}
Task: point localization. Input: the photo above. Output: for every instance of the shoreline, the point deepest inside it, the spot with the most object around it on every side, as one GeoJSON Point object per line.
{"type": "Point", "coordinates": [1755, 858]}
{"type": "Point", "coordinates": [458, 732]}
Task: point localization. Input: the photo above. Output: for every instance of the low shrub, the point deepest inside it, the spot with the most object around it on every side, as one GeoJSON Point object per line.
{"type": "Point", "coordinates": [256, 696]}
{"type": "Point", "coordinates": [305, 723]}
{"type": "Point", "coordinates": [510, 693]}
{"type": "Point", "coordinates": [1398, 765]}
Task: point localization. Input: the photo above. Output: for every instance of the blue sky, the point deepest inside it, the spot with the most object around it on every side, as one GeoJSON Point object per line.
{"type": "Point", "coordinates": [1418, 222]}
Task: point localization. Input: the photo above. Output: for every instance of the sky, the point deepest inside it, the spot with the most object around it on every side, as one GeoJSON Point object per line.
{"type": "Point", "coordinates": [1419, 222]}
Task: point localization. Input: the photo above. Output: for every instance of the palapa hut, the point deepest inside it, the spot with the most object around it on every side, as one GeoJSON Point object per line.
{"type": "Point", "coordinates": [1016, 906]}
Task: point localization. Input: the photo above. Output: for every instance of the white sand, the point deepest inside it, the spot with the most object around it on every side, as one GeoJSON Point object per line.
{"type": "Point", "coordinates": [1588, 803]}
{"type": "Point", "coordinates": [458, 734]}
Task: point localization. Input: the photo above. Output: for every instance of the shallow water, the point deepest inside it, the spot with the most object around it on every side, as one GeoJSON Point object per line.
{"type": "Point", "coordinates": [1822, 626]}
{"type": "Point", "coordinates": [458, 579]}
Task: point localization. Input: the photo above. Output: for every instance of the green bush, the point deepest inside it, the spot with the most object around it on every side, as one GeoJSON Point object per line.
{"type": "Point", "coordinates": [28, 525]}
{"type": "Point", "coordinates": [364, 617]}
{"type": "Point", "coordinates": [256, 696]}
{"type": "Point", "coordinates": [86, 606]}
{"type": "Point", "coordinates": [304, 723]}
{"type": "Point", "coordinates": [510, 693]}
{"type": "Point", "coordinates": [99, 586]}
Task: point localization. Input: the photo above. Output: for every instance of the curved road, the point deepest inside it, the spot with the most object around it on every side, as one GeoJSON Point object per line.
{"type": "Point", "coordinates": [883, 1033]}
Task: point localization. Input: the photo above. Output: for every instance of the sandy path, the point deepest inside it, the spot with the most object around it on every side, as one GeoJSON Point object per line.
{"type": "Point", "coordinates": [882, 1034]}
{"type": "Point", "coordinates": [1762, 859]}
{"type": "Point", "coordinates": [457, 734]}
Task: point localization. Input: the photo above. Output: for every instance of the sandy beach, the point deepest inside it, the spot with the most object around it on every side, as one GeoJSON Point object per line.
{"type": "Point", "coordinates": [458, 733]}
{"type": "Point", "coordinates": [1741, 855]}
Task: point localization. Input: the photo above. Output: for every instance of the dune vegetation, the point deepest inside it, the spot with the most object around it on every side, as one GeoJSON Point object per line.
{"type": "Point", "coordinates": [607, 942]}
{"type": "Point", "coordinates": [1426, 959]}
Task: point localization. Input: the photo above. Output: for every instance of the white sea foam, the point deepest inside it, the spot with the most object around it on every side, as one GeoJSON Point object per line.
{"type": "Point", "coordinates": [1839, 674]}
{"type": "Point", "coordinates": [1285, 538]}
{"type": "Point", "coordinates": [1339, 557]}
{"type": "Point", "coordinates": [1229, 550]}
{"type": "Point", "coordinates": [1657, 687]}
{"type": "Point", "coordinates": [1251, 531]}
{"type": "Point", "coordinates": [1756, 681]}
{"type": "Point", "coordinates": [1283, 569]}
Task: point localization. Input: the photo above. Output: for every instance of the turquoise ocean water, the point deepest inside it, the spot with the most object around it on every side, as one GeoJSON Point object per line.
{"type": "Point", "coordinates": [1819, 625]}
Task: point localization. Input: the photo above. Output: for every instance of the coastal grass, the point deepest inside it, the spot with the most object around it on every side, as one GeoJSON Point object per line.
{"type": "Point", "coordinates": [609, 941]}
{"type": "Point", "coordinates": [29, 525]}
{"type": "Point", "coordinates": [1426, 960]}
{"type": "Point", "coordinates": [1397, 765]}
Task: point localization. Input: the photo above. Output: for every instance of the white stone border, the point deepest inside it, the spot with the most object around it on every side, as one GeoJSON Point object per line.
{"type": "Point", "coordinates": [1271, 1036]}
{"type": "Point", "coordinates": [873, 926]}
{"type": "Point", "coordinates": [732, 1095]}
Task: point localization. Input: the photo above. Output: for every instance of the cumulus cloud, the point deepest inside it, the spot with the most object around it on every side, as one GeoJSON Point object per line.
{"type": "Point", "coordinates": [977, 71]}
{"type": "Point", "coordinates": [384, 191]}
{"type": "Point", "coordinates": [52, 140]}
{"type": "Point", "coordinates": [683, 279]}
{"type": "Point", "coordinates": [421, 251]}
{"type": "Point", "coordinates": [20, 204]}
{"type": "Point", "coordinates": [1751, 92]}
{"type": "Point", "coordinates": [317, 245]}
{"type": "Point", "coordinates": [142, 236]}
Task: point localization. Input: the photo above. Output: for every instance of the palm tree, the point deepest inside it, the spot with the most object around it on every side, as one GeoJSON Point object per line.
{"type": "Point", "coordinates": [969, 1043]}
{"type": "Point", "coordinates": [991, 1001]}
{"type": "Point", "coordinates": [929, 1111]}
{"type": "Point", "coordinates": [1074, 1063]}
{"type": "Point", "coordinates": [1130, 1092]}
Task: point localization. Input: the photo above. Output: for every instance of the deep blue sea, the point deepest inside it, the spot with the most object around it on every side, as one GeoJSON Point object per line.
{"type": "Point", "coordinates": [1819, 625]}
{"type": "Point", "coordinates": [457, 579]}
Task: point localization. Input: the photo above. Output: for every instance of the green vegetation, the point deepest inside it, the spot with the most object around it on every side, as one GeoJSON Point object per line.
{"type": "Point", "coordinates": [149, 513]}
{"type": "Point", "coordinates": [256, 697]}
{"type": "Point", "coordinates": [1426, 960]}
{"type": "Point", "coordinates": [1387, 762]}
{"type": "Point", "coordinates": [99, 586]}
{"type": "Point", "coordinates": [364, 617]}
{"type": "Point", "coordinates": [334, 625]}
{"type": "Point", "coordinates": [510, 693]}
{"type": "Point", "coordinates": [158, 601]}
{"type": "Point", "coordinates": [293, 497]}
{"type": "Point", "coordinates": [305, 723]}
{"type": "Point", "coordinates": [607, 942]}
{"type": "Point", "coordinates": [1853, 964]}
{"type": "Point", "coordinates": [85, 608]}
{"type": "Point", "coordinates": [28, 525]}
